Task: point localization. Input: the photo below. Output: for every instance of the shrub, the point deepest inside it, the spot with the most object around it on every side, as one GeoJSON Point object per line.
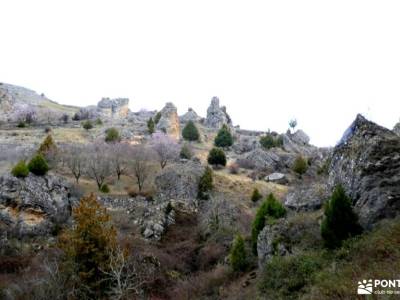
{"type": "Point", "coordinates": [20, 169]}
{"type": "Point", "coordinates": [47, 130]}
{"type": "Point", "coordinates": [190, 132]}
{"type": "Point", "coordinates": [21, 124]}
{"type": "Point", "coordinates": [98, 122]}
{"type": "Point", "coordinates": [186, 152]}
{"type": "Point", "coordinates": [64, 118]}
{"type": "Point", "coordinates": [105, 188]}
{"type": "Point", "coordinates": [216, 157]}
{"type": "Point", "coordinates": [238, 256]}
{"type": "Point", "coordinates": [76, 117]}
{"type": "Point", "coordinates": [48, 146]}
{"type": "Point", "coordinates": [38, 165]}
{"type": "Point", "coordinates": [205, 184]}
{"type": "Point", "coordinates": [269, 208]}
{"type": "Point", "coordinates": [340, 222]}
{"type": "Point", "coordinates": [286, 277]}
{"type": "Point", "coordinates": [112, 135]}
{"type": "Point", "coordinates": [150, 126]}
{"type": "Point", "coordinates": [300, 165]}
{"type": "Point", "coordinates": [224, 137]}
{"type": "Point", "coordinates": [88, 245]}
{"type": "Point", "coordinates": [267, 141]}
{"type": "Point", "coordinates": [157, 118]}
{"type": "Point", "coordinates": [256, 195]}
{"type": "Point", "coordinates": [87, 125]}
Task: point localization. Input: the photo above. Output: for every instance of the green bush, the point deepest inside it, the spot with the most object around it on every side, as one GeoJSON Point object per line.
{"type": "Point", "coordinates": [205, 184]}
{"type": "Point", "coordinates": [300, 165]}
{"type": "Point", "coordinates": [112, 135]}
{"type": "Point", "coordinates": [98, 122]}
{"type": "Point", "coordinates": [186, 153]}
{"type": "Point", "coordinates": [237, 256]}
{"type": "Point", "coordinates": [87, 125]}
{"type": "Point", "coordinates": [267, 141]}
{"type": "Point", "coordinates": [150, 126]}
{"type": "Point", "coordinates": [269, 208]}
{"type": "Point", "coordinates": [190, 132]}
{"type": "Point", "coordinates": [38, 165]}
{"type": "Point", "coordinates": [20, 169]}
{"type": "Point", "coordinates": [21, 124]}
{"type": "Point", "coordinates": [224, 137]}
{"type": "Point", "coordinates": [105, 188]}
{"type": "Point", "coordinates": [340, 222]}
{"type": "Point", "coordinates": [256, 195]}
{"type": "Point", "coordinates": [286, 277]}
{"type": "Point", "coordinates": [216, 157]}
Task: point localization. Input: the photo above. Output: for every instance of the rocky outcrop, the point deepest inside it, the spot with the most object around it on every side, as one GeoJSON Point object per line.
{"type": "Point", "coordinates": [190, 115]}
{"type": "Point", "coordinates": [169, 121]}
{"type": "Point", "coordinates": [245, 143]}
{"type": "Point", "coordinates": [34, 205]}
{"type": "Point", "coordinates": [114, 108]}
{"type": "Point", "coordinates": [179, 182]}
{"type": "Point", "coordinates": [367, 163]}
{"type": "Point", "coordinates": [270, 242]}
{"type": "Point", "coordinates": [307, 197]}
{"type": "Point", "coordinates": [396, 128]}
{"type": "Point", "coordinates": [300, 137]}
{"type": "Point", "coordinates": [216, 115]}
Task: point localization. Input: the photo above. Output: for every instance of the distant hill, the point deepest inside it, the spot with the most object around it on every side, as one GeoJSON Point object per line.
{"type": "Point", "coordinates": [15, 98]}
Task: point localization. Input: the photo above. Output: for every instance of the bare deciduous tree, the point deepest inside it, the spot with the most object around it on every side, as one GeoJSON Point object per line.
{"type": "Point", "coordinates": [119, 155]}
{"type": "Point", "coordinates": [167, 149]}
{"type": "Point", "coordinates": [98, 165]}
{"type": "Point", "coordinates": [74, 156]}
{"type": "Point", "coordinates": [141, 164]}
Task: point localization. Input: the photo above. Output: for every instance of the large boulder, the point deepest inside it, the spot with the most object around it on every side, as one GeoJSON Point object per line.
{"type": "Point", "coordinates": [367, 163]}
{"type": "Point", "coordinates": [216, 115]}
{"type": "Point", "coordinates": [179, 182]}
{"type": "Point", "coordinates": [300, 137]}
{"type": "Point", "coordinates": [34, 205]}
{"type": "Point", "coordinates": [169, 121]}
{"type": "Point", "coordinates": [262, 159]}
{"type": "Point", "coordinates": [307, 197]}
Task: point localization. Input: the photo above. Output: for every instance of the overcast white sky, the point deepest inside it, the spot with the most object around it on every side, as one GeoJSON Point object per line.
{"type": "Point", "coordinates": [268, 61]}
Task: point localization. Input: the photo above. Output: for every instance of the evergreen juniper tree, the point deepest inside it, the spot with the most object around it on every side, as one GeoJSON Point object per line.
{"type": "Point", "coordinates": [340, 222]}
{"type": "Point", "coordinates": [224, 137]}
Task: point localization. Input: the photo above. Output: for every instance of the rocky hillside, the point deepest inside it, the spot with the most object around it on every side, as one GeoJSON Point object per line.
{"type": "Point", "coordinates": [219, 213]}
{"type": "Point", "coordinates": [15, 100]}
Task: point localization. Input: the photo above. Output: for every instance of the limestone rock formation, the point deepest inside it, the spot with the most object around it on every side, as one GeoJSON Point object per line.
{"type": "Point", "coordinates": [190, 115]}
{"type": "Point", "coordinates": [34, 205]}
{"type": "Point", "coordinates": [179, 182]}
{"type": "Point", "coordinates": [114, 108]}
{"type": "Point", "coordinates": [396, 128]}
{"type": "Point", "coordinates": [169, 121]}
{"type": "Point", "coordinates": [367, 163]}
{"type": "Point", "coordinates": [300, 137]}
{"type": "Point", "coordinates": [276, 178]}
{"type": "Point", "coordinates": [216, 115]}
{"type": "Point", "coordinates": [307, 197]}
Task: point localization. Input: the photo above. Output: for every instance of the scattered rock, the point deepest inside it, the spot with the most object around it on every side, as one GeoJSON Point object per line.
{"type": "Point", "coordinates": [216, 115]}
{"type": "Point", "coordinates": [367, 163]}
{"type": "Point", "coordinates": [276, 178]}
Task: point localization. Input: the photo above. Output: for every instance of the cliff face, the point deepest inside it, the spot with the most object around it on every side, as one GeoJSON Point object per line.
{"type": "Point", "coordinates": [367, 163]}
